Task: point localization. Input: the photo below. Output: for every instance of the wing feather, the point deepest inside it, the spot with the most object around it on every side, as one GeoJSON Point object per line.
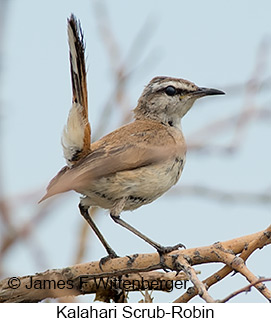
{"type": "Point", "coordinates": [129, 147]}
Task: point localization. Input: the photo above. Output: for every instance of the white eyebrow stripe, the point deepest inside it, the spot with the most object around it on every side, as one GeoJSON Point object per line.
{"type": "Point", "coordinates": [176, 84]}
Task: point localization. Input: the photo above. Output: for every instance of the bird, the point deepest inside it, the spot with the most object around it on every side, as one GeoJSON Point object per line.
{"type": "Point", "coordinates": [133, 165]}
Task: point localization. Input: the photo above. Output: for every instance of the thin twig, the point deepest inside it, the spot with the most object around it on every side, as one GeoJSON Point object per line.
{"type": "Point", "coordinates": [244, 289]}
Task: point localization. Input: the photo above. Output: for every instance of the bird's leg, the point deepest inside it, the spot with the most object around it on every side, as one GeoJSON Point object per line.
{"type": "Point", "coordinates": [115, 215]}
{"type": "Point", "coordinates": [111, 253]}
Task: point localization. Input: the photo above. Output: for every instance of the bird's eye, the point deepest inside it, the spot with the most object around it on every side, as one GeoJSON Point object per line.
{"type": "Point", "coordinates": [170, 90]}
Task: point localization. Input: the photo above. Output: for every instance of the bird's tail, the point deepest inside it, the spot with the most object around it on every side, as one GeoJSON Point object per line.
{"type": "Point", "coordinates": [76, 137]}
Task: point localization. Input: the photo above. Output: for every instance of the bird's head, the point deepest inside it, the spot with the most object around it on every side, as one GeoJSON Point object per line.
{"type": "Point", "coordinates": [168, 99]}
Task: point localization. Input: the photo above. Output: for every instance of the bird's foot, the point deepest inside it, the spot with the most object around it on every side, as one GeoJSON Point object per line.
{"type": "Point", "coordinates": [131, 259]}
{"type": "Point", "coordinates": [164, 250]}
{"type": "Point", "coordinates": [110, 256]}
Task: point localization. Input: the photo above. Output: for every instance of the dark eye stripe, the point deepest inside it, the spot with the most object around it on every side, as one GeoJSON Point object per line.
{"type": "Point", "coordinates": [177, 91]}
{"type": "Point", "coordinates": [182, 92]}
{"type": "Point", "coordinates": [171, 91]}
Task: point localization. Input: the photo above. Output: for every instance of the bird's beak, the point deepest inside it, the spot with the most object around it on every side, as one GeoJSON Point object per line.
{"type": "Point", "coordinates": [203, 91]}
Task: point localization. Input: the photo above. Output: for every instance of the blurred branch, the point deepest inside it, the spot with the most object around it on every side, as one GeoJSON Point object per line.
{"type": "Point", "coordinates": [252, 88]}
{"type": "Point", "coordinates": [221, 195]}
{"type": "Point", "coordinates": [250, 110]}
{"type": "Point", "coordinates": [4, 207]}
{"type": "Point", "coordinates": [122, 69]}
{"type": "Point", "coordinates": [24, 231]}
{"type": "Point", "coordinates": [118, 69]}
{"type": "Point", "coordinates": [199, 140]}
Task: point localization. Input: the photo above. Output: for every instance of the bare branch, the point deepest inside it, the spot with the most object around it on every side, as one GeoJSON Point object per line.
{"type": "Point", "coordinates": [71, 277]}
{"type": "Point", "coordinates": [182, 264]}
{"type": "Point", "coordinates": [250, 245]}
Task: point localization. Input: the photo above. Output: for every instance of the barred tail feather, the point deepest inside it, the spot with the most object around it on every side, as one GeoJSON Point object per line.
{"type": "Point", "coordinates": [76, 138]}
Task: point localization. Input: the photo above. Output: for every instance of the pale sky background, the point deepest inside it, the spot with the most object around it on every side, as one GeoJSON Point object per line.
{"type": "Point", "coordinates": [214, 44]}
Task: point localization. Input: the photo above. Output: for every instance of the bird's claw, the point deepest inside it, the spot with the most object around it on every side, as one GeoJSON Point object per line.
{"type": "Point", "coordinates": [110, 256]}
{"type": "Point", "coordinates": [164, 250]}
{"type": "Point", "coordinates": [131, 259]}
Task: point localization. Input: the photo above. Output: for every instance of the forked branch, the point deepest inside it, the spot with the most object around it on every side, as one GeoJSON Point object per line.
{"type": "Point", "coordinates": [89, 278]}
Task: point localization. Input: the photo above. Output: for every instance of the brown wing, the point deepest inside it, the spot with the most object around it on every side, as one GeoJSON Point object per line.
{"type": "Point", "coordinates": [135, 145]}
